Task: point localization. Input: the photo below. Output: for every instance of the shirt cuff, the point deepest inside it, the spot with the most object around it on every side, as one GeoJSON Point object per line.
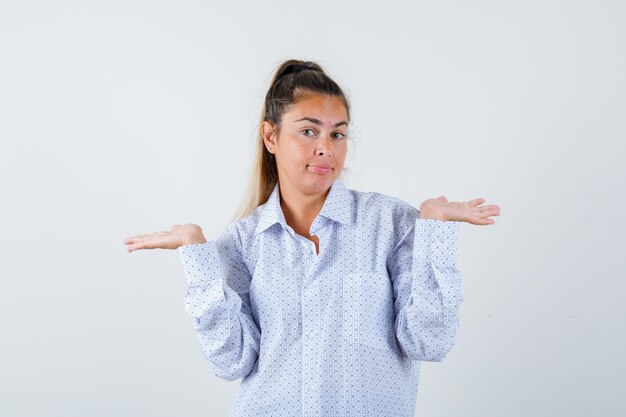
{"type": "Point", "coordinates": [435, 243]}
{"type": "Point", "coordinates": [198, 260]}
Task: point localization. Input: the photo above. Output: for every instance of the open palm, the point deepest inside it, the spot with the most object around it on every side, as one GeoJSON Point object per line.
{"type": "Point", "coordinates": [471, 211]}
{"type": "Point", "coordinates": [179, 235]}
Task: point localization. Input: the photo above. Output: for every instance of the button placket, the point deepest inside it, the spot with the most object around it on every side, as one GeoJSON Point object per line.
{"type": "Point", "coordinates": [308, 341]}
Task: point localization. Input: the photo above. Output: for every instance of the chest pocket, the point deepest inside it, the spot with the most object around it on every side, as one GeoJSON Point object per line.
{"type": "Point", "coordinates": [368, 312]}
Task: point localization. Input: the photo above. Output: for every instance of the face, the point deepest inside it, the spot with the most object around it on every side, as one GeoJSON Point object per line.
{"type": "Point", "coordinates": [311, 148]}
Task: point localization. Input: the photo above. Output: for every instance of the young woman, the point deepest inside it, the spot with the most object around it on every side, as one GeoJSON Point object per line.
{"type": "Point", "coordinates": [322, 298]}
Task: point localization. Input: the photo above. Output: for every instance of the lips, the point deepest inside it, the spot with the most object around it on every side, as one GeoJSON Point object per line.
{"type": "Point", "coordinates": [320, 169]}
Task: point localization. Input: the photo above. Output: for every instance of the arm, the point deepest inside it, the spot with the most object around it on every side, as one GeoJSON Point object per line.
{"type": "Point", "coordinates": [217, 299]}
{"type": "Point", "coordinates": [427, 288]}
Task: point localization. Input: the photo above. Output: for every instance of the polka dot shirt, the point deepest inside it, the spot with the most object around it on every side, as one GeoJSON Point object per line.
{"type": "Point", "coordinates": [339, 333]}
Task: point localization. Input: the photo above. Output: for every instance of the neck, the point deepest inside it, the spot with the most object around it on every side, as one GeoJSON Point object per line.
{"type": "Point", "coordinates": [300, 209]}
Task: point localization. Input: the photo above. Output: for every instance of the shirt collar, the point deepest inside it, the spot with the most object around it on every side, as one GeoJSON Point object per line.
{"type": "Point", "coordinates": [338, 206]}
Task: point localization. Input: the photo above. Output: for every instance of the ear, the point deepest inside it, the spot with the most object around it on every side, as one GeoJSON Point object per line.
{"type": "Point", "coordinates": [268, 129]}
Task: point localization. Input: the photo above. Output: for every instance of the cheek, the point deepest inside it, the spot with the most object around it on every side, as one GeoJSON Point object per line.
{"type": "Point", "coordinates": [341, 152]}
{"type": "Point", "coordinates": [296, 156]}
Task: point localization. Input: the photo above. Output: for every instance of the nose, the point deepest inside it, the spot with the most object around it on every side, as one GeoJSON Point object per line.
{"type": "Point", "coordinates": [323, 146]}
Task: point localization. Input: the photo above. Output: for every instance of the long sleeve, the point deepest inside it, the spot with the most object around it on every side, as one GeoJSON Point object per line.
{"type": "Point", "coordinates": [427, 288]}
{"type": "Point", "coordinates": [217, 298]}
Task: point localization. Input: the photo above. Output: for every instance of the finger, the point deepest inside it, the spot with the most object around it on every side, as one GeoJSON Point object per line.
{"type": "Point", "coordinates": [132, 239]}
{"type": "Point", "coordinates": [483, 213]}
{"type": "Point", "coordinates": [476, 202]}
{"type": "Point", "coordinates": [491, 209]}
{"type": "Point", "coordinates": [495, 210]}
{"type": "Point", "coordinates": [144, 241]}
{"type": "Point", "coordinates": [139, 237]}
{"type": "Point", "coordinates": [486, 217]}
{"type": "Point", "coordinates": [149, 236]}
{"type": "Point", "coordinates": [140, 245]}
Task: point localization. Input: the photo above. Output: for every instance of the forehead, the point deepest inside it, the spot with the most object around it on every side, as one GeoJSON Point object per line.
{"type": "Point", "coordinates": [320, 106]}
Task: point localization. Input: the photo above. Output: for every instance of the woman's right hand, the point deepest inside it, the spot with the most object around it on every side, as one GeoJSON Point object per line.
{"type": "Point", "coordinates": [179, 235]}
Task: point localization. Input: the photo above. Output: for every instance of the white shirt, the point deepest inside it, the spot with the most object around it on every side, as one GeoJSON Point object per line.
{"type": "Point", "coordinates": [339, 333]}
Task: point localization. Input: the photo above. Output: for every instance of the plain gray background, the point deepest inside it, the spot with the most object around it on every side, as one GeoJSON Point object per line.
{"type": "Point", "coordinates": [119, 118]}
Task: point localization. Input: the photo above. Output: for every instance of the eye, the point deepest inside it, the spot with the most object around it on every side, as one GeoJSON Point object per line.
{"type": "Point", "coordinates": [307, 130]}
{"type": "Point", "coordinates": [339, 133]}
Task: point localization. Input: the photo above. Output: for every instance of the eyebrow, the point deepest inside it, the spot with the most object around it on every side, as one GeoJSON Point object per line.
{"type": "Point", "coordinates": [317, 122]}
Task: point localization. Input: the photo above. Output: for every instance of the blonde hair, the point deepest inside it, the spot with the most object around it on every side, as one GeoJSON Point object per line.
{"type": "Point", "coordinates": [291, 79]}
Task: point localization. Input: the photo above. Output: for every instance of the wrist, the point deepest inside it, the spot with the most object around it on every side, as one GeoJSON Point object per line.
{"type": "Point", "coordinates": [432, 215]}
{"type": "Point", "coordinates": [193, 239]}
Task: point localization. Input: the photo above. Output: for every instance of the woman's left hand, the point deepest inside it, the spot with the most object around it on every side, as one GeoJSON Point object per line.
{"type": "Point", "coordinates": [441, 209]}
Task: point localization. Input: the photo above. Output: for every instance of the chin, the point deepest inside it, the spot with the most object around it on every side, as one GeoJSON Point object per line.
{"type": "Point", "coordinates": [323, 182]}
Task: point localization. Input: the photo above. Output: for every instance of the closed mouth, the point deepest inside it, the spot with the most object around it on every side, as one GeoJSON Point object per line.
{"type": "Point", "coordinates": [320, 169]}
